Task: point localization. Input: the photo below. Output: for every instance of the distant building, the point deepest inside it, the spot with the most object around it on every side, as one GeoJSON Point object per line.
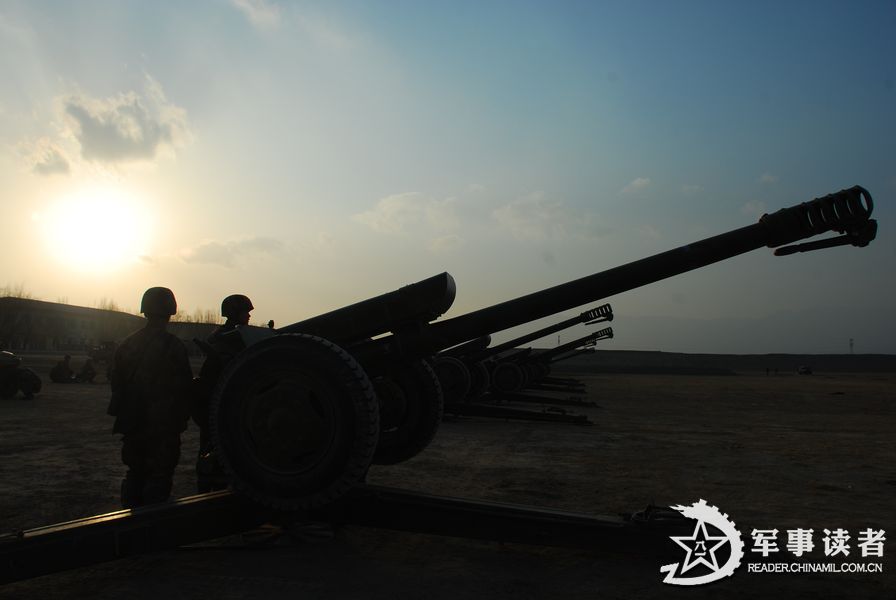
{"type": "Point", "coordinates": [35, 325]}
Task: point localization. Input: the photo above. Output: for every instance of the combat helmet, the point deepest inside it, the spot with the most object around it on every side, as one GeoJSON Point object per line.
{"type": "Point", "coordinates": [158, 301]}
{"type": "Point", "coordinates": [235, 304]}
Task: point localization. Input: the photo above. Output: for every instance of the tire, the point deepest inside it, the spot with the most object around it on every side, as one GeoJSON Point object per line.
{"type": "Point", "coordinates": [480, 380]}
{"type": "Point", "coordinates": [412, 431]}
{"type": "Point", "coordinates": [454, 377]}
{"type": "Point", "coordinates": [508, 377]}
{"type": "Point", "coordinates": [294, 421]}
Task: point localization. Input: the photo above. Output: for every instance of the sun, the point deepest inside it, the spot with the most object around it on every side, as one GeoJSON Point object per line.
{"type": "Point", "coordinates": [98, 229]}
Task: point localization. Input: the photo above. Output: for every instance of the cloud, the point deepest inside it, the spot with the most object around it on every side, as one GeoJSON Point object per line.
{"type": "Point", "coordinates": [535, 218]}
{"type": "Point", "coordinates": [754, 208]}
{"type": "Point", "coordinates": [400, 213]}
{"type": "Point", "coordinates": [127, 127]}
{"type": "Point", "coordinates": [325, 240]}
{"type": "Point", "coordinates": [638, 184]}
{"type": "Point", "coordinates": [691, 189]}
{"type": "Point", "coordinates": [232, 253]}
{"type": "Point", "coordinates": [768, 178]}
{"type": "Point", "coordinates": [260, 13]}
{"type": "Point", "coordinates": [324, 34]}
{"type": "Point", "coordinates": [446, 243]}
{"type": "Point", "coordinates": [47, 158]}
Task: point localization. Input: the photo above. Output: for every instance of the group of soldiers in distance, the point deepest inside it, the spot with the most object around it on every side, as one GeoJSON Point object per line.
{"type": "Point", "coordinates": [62, 372]}
{"type": "Point", "coordinates": [154, 395]}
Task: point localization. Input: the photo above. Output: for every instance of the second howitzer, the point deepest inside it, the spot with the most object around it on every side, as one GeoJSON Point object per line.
{"type": "Point", "coordinates": [299, 416]}
{"type": "Point", "coordinates": [467, 371]}
{"type": "Point", "coordinates": [512, 376]}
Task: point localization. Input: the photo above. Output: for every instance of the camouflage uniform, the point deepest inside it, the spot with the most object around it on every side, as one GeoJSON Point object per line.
{"type": "Point", "coordinates": [221, 347]}
{"type": "Point", "coordinates": [150, 378]}
{"type": "Point", "coordinates": [225, 348]}
{"type": "Point", "coordinates": [62, 372]}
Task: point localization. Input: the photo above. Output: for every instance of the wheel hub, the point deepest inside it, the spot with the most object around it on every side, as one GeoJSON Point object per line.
{"type": "Point", "coordinates": [290, 424]}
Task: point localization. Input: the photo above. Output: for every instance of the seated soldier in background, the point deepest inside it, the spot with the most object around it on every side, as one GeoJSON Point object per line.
{"type": "Point", "coordinates": [62, 372]}
{"type": "Point", "coordinates": [222, 345]}
{"type": "Point", "coordinates": [87, 372]}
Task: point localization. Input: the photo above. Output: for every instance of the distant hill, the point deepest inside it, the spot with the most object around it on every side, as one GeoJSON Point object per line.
{"type": "Point", "coordinates": [632, 361]}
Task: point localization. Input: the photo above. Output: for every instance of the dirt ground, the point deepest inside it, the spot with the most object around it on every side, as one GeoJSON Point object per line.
{"type": "Point", "coordinates": [773, 452]}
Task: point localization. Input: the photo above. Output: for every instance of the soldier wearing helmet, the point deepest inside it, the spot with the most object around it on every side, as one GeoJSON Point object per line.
{"type": "Point", "coordinates": [222, 345]}
{"type": "Point", "coordinates": [150, 378]}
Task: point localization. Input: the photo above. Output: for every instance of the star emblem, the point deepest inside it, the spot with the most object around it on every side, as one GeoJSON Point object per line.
{"type": "Point", "coordinates": [699, 546]}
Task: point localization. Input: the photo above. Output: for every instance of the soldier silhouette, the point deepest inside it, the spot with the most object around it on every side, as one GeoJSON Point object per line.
{"type": "Point", "coordinates": [222, 345]}
{"type": "Point", "coordinates": [150, 378]}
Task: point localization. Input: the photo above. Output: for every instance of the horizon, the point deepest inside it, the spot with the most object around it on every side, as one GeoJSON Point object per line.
{"type": "Point", "coordinates": [314, 156]}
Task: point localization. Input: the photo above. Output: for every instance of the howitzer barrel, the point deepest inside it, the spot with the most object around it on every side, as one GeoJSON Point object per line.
{"type": "Point", "coordinates": [847, 211]}
{"type": "Point", "coordinates": [407, 306]}
{"type": "Point", "coordinates": [568, 355]}
{"type": "Point", "coordinates": [563, 348]}
{"type": "Point", "coordinates": [471, 348]}
{"type": "Point", "coordinates": [595, 315]}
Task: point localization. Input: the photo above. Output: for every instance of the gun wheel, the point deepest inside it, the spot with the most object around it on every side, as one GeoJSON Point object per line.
{"type": "Point", "coordinates": [408, 431]}
{"type": "Point", "coordinates": [454, 377]}
{"type": "Point", "coordinates": [295, 422]}
{"type": "Point", "coordinates": [508, 377]}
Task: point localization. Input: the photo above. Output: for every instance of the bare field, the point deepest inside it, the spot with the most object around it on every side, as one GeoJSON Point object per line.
{"type": "Point", "coordinates": [772, 452]}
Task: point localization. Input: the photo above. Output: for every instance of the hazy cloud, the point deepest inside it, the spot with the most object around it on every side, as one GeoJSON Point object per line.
{"type": "Point", "coordinates": [324, 34]}
{"type": "Point", "coordinates": [267, 16]}
{"type": "Point", "coordinates": [768, 178]}
{"type": "Point", "coordinates": [535, 218]}
{"type": "Point", "coordinates": [446, 243]}
{"type": "Point", "coordinates": [126, 127]}
{"type": "Point", "coordinates": [400, 213]}
{"type": "Point", "coordinates": [230, 254]}
{"type": "Point", "coordinates": [262, 14]}
{"type": "Point", "coordinates": [691, 189]}
{"type": "Point", "coordinates": [754, 208]}
{"type": "Point", "coordinates": [325, 240]}
{"type": "Point", "coordinates": [639, 184]}
{"type": "Point", "coordinates": [47, 158]}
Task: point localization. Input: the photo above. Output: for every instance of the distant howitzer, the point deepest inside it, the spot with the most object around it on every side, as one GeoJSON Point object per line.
{"type": "Point", "coordinates": [465, 371]}
{"type": "Point", "coordinates": [600, 314]}
{"type": "Point", "coordinates": [298, 417]}
{"type": "Point", "coordinates": [468, 349]}
{"type": "Point", "coordinates": [587, 341]}
{"type": "Point", "coordinates": [585, 350]}
{"type": "Point", "coordinates": [513, 375]}
{"type": "Point", "coordinates": [561, 380]}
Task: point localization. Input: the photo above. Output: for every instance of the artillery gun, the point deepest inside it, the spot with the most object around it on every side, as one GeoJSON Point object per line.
{"type": "Point", "coordinates": [298, 421]}
{"type": "Point", "coordinates": [299, 416]}
{"type": "Point", "coordinates": [513, 375]}
{"type": "Point", "coordinates": [467, 371]}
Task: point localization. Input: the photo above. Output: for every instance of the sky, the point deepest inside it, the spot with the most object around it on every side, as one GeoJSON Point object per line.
{"type": "Point", "coordinates": [311, 155]}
